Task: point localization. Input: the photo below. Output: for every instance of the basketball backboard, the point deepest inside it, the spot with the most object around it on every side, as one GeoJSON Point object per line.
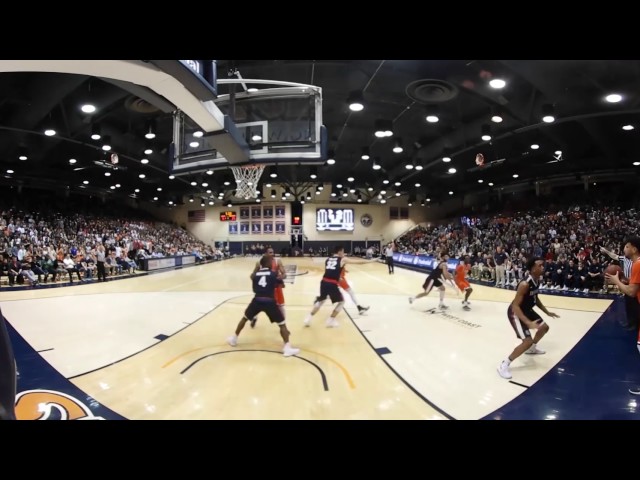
{"type": "Point", "coordinates": [281, 124]}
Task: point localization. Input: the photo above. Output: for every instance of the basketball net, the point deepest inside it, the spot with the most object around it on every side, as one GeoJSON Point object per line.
{"type": "Point", "coordinates": [247, 180]}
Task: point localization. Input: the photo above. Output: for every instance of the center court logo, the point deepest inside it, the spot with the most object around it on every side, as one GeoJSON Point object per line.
{"type": "Point", "coordinates": [51, 405]}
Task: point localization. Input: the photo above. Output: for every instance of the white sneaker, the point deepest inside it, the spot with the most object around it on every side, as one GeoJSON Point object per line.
{"type": "Point", "coordinates": [503, 371]}
{"type": "Point", "coordinates": [586, 290]}
{"type": "Point", "coordinates": [535, 351]}
{"type": "Point", "coordinates": [332, 323]}
{"type": "Point", "coordinates": [290, 351]}
{"type": "Point", "coordinates": [442, 306]}
{"type": "Point", "coordinates": [233, 340]}
{"type": "Point", "coordinates": [307, 321]}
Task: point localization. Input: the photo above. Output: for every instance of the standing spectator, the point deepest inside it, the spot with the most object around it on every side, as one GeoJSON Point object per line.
{"type": "Point", "coordinates": [632, 252]}
{"type": "Point", "coordinates": [630, 303]}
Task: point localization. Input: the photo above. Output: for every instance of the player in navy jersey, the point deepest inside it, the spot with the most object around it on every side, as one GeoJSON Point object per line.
{"type": "Point", "coordinates": [524, 318]}
{"type": "Point", "coordinates": [265, 281]}
{"type": "Point", "coordinates": [329, 285]}
{"type": "Point", "coordinates": [436, 279]}
{"type": "Point", "coordinates": [276, 266]}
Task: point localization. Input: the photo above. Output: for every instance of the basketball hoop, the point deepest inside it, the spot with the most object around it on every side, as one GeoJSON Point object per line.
{"type": "Point", "coordinates": [247, 180]}
{"type": "Point", "coordinates": [297, 231]}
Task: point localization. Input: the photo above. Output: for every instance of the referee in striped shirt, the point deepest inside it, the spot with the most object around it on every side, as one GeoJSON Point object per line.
{"type": "Point", "coordinates": [631, 304]}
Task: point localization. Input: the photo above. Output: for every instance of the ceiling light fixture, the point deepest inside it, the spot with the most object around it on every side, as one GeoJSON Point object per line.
{"type": "Point", "coordinates": [95, 132]}
{"type": "Point", "coordinates": [397, 148]}
{"type": "Point", "coordinates": [547, 114]}
{"type": "Point", "coordinates": [151, 131]}
{"type": "Point", "coordinates": [356, 101]}
{"type": "Point", "coordinates": [432, 114]}
{"type": "Point", "coordinates": [486, 133]}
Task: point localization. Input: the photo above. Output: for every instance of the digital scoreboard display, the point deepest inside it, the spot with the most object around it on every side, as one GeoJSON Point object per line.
{"type": "Point", "coordinates": [334, 219]}
{"type": "Point", "coordinates": [228, 216]}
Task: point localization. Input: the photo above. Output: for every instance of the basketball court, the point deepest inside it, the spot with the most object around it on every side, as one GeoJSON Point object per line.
{"type": "Point", "coordinates": [154, 347]}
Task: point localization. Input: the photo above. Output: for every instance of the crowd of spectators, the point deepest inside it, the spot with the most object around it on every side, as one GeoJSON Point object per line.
{"type": "Point", "coordinates": [577, 244]}
{"type": "Point", "coordinates": [47, 243]}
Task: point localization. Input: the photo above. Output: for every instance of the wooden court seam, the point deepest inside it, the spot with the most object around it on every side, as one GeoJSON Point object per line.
{"type": "Point", "coordinates": [425, 399]}
{"type": "Point", "coordinates": [155, 344]}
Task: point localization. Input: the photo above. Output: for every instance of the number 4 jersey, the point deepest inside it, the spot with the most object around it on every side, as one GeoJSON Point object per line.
{"type": "Point", "coordinates": [264, 283]}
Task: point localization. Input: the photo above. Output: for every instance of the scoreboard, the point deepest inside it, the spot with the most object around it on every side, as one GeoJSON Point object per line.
{"type": "Point", "coordinates": [228, 216]}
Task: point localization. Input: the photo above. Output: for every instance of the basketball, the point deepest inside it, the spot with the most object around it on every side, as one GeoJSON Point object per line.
{"type": "Point", "coordinates": [613, 269]}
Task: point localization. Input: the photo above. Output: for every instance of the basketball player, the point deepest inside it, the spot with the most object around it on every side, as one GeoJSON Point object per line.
{"type": "Point", "coordinates": [329, 285]}
{"type": "Point", "coordinates": [632, 252]}
{"type": "Point", "coordinates": [436, 279]}
{"type": "Point", "coordinates": [264, 286]}
{"type": "Point", "coordinates": [524, 318]}
{"type": "Point", "coordinates": [278, 267]}
{"type": "Point", "coordinates": [343, 284]}
{"type": "Point", "coordinates": [462, 271]}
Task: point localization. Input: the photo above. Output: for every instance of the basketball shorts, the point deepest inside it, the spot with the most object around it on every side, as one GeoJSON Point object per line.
{"type": "Point", "coordinates": [330, 290]}
{"type": "Point", "coordinates": [266, 305]}
{"type": "Point", "coordinates": [522, 331]}
{"type": "Point", "coordinates": [429, 283]}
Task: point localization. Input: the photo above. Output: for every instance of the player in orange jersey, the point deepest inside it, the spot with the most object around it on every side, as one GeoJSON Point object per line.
{"type": "Point", "coordinates": [343, 284]}
{"type": "Point", "coordinates": [462, 271]}
{"type": "Point", "coordinates": [278, 267]}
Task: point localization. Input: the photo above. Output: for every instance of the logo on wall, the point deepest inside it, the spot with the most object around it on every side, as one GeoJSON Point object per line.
{"type": "Point", "coordinates": [366, 220]}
